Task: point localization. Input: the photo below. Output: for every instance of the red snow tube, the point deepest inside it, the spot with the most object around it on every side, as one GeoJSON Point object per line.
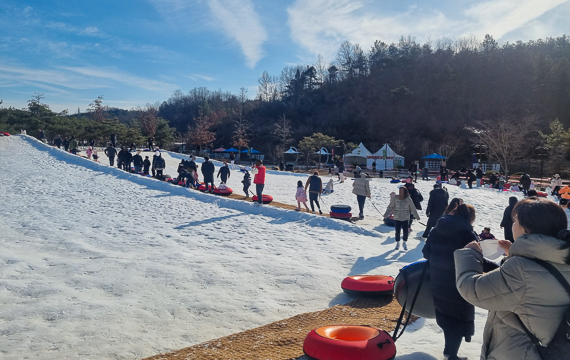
{"type": "Point", "coordinates": [266, 199]}
{"type": "Point", "coordinates": [336, 215]}
{"type": "Point", "coordinates": [342, 342]}
{"type": "Point", "coordinates": [371, 285]}
{"type": "Point", "coordinates": [223, 192]}
{"type": "Point", "coordinates": [541, 194]}
{"type": "Point", "coordinates": [4, 133]}
{"type": "Point", "coordinates": [202, 187]}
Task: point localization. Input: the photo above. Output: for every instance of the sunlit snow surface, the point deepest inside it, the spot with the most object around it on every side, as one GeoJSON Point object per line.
{"type": "Point", "coordinates": [96, 263]}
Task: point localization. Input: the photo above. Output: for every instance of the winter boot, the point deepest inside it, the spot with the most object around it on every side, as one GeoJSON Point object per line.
{"type": "Point", "coordinates": [397, 245]}
{"type": "Point", "coordinates": [405, 246]}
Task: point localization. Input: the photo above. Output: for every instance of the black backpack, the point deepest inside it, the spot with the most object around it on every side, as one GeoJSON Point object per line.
{"type": "Point", "coordinates": [559, 347]}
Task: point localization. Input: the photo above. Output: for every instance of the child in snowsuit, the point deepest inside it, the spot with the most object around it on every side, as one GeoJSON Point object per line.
{"type": "Point", "coordinates": [301, 196]}
{"type": "Point", "coordinates": [486, 234]}
{"type": "Point", "coordinates": [246, 183]}
{"type": "Point", "coordinates": [329, 188]}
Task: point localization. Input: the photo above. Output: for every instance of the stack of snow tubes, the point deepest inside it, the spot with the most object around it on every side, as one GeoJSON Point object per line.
{"type": "Point", "coordinates": [266, 199]}
{"type": "Point", "coordinates": [340, 212]}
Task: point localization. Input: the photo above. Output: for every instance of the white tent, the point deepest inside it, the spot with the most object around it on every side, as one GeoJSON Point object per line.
{"type": "Point", "coordinates": [358, 156]}
{"type": "Point", "coordinates": [385, 158]}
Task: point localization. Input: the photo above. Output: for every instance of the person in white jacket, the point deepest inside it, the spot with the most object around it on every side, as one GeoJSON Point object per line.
{"type": "Point", "coordinates": [555, 184]}
{"type": "Point", "coordinates": [402, 207]}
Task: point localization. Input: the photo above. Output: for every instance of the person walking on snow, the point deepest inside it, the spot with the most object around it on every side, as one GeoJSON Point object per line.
{"type": "Point", "coordinates": [301, 196]}
{"type": "Point", "coordinates": [111, 152]}
{"type": "Point", "coordinates": [315, 186]}
{"type": "Point", "coordinates": [437, 203]}
{"type": "Point", "coordinates": [402, 207]}
{"type": "Point", "coordinates": [246, 183]}
{"type": "Point", "coordinates": [208, 170]}
{"type": "Point", "coordinates": [416, 197]}
{"type": "Point", "coordinates": [89, 152]}
{"type": "Point", "coordinates": [224, 173]}
{"type": "Point", "coordinates": [361, 188]}
{"type": "Point", "coordinates": [258, 172]}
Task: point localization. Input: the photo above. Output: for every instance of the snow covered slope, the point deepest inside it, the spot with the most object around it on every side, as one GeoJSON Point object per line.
{"type": "Point", "coordinates": [100, 264]}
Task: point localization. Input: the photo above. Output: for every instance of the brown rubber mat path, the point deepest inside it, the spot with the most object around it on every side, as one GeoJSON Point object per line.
{"type": "Point", "coordinates": [284, 339]}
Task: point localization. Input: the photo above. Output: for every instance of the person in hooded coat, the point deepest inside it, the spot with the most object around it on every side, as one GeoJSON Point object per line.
{"type": "Point", "coordinates": [520, 287]}
{"type": "Point", "coordinates": [507, 222]}
{"type": "Point", "coordinates": [437, 203]}
{"type": "Point", "coordinates": [121, 157]}
{"type": "Point", "coordinates": [453, 314]}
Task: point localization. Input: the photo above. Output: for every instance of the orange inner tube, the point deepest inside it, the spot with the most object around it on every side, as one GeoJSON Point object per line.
{"type": "Point", "coordinates": [347, 332]}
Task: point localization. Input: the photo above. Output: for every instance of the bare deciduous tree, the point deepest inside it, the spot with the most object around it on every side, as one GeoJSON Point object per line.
{"type": "Point", "coordinates": [447, 147]}
{"type": "Point", "coordinates": [504, 138]}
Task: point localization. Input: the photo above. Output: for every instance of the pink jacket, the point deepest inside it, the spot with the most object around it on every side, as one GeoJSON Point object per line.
{"type": "Point", "coordinates": [301, 195]}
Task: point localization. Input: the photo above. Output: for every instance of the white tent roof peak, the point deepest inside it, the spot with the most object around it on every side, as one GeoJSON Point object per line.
{"type": "Point", "coordinates": [361, 150]}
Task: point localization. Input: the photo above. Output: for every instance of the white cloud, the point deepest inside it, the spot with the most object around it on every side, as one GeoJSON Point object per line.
{"type": "Point", "coordinates": [123, 77]}
{"type": "Point", "coordinates": [90, 30]}
{"type": "Point", "coordinates": [240, 22]}
{"type": "Point", "coordinates": [498, 17]}
{"type": "Point", "coordinates": [320, 26]}
{"type": "Point", "coordinates": [196, 77]}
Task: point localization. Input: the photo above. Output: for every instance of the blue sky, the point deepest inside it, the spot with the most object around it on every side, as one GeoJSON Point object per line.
{"type": "Point", "coordinates": [138, 52]}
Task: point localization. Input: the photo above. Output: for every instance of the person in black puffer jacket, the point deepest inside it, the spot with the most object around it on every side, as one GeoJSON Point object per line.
{"type": "Point", "coordinates": [437, 203]}
{"type": "Point", "coordinates": [416, 197]}
{"type": "Point", "coordinates": [452, 313]}
{"type": "Point", "coordinates": [208, 170]}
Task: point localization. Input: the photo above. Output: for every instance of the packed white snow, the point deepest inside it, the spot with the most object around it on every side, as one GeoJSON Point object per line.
{"type": "Point", "coordinates": [97, 263]}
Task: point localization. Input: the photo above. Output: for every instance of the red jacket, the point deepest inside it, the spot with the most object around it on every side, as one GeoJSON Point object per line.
{"type": "Point", "coordinates": [259, 178]}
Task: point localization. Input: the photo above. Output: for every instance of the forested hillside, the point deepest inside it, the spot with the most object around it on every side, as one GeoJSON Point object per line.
{"type": "Point", "coordinates": [414, 96]}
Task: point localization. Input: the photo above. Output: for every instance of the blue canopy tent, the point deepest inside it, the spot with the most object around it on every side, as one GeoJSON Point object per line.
{"type": "Point", "coordinates": [433, 161]}
{"type": "Point", "coordinates": [434, 156]}
{"type": "Point", "coordinates": [253, 151]}
{"type": "Point", "coordinates": [231, 150]}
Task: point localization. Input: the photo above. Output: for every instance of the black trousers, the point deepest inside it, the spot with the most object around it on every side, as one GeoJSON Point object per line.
{"type": "Point", "coordinates": [452, 344]}
{"type": "Point", "coordinates": [159, 174]}
{"type": "Point", "coordinates": [403, 225]}
{"type": "Point", "coordinates": [211, 182]}
{"type": "Point", "coordinates": [111, 160]}
{"type": "Point", "coordinates": [259, 191]}
{"type": "Point", "coordinates": [245, 190]}
{"type": "Point", "coordinates": [427, 230]}
{"type": "Point", "coordinates": [361, 200]}
{"type": "Point", "coordinates": [314, 198]}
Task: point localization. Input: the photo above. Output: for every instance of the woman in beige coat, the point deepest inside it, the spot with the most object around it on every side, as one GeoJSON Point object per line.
{"type": "Point", "coordinates": [402, 207]}
{"type": "Point", "coordinates": [520, 285]}
{"type": "Point", "coordinates": [361, 188]}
